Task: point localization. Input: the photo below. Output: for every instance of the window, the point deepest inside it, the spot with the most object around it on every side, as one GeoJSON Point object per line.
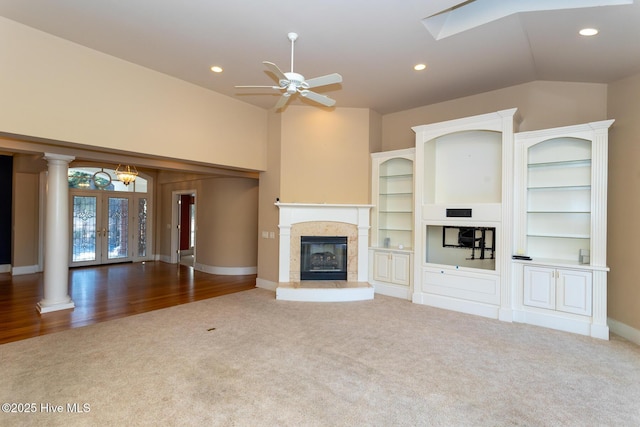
{"type": "Point", "coordinates": [90, 178]}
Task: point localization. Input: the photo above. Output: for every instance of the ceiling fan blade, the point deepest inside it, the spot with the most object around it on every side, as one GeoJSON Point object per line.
{"type": "Point", "coordinates": [321, 99]}
{"type": "Point", "coordinates": [329, 79]}
{"type": "Point", "coordinates": [256, 86]}
{"type": "Point", "coordinates": [282, 101]}
{"type": "Point", "coordinates": [275, 70]}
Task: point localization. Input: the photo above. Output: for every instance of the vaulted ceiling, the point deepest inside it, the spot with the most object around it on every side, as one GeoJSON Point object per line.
{"type": "Point", "coordinates": [469, 47]}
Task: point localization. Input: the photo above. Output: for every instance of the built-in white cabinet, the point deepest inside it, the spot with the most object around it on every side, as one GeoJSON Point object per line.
{"type": "Point", "coordinates": [560, 219]}
{"type": "Point", "coordinates": [392, 222]}
{"type": "Point", "coordinates": [392, 267]}
{"type": "Point", "coordinates": [558, 289]}
{"type": "Point", "coordinates": [463, 213]}
{"type": "Point", "coordinates": [498, 223]}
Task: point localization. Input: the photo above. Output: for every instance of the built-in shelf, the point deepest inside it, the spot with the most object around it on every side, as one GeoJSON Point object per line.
{"type": "Point", "coordinates": [561, 163]}
{"type": "Point", "coordinates": [561, 185]}
{"type": "Point", "coordinates": [392, 219]}
{"type": "Point", "coordinates": [392, 236]}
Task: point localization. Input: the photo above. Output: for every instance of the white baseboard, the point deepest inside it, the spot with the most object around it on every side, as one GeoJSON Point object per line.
{"type": "Point", "coordinates": [390, 290]}
{"type": "Point", "coordinates": [164, 258]}
{"type": "Point", "coordinates": [625, 331]}
{"type": "Point", "coordinates": [27, 269]}
{"type": "Point", "coordinates": [226, 271]}
{"type": "Point", "coordinates": [557, 322]}
{"type": "Point", "coordinates": [5, 268]}
{"type": "Point", "coordinates": [455, 304]}
{"type": "Point", "coordinates": [266, 284]}
{"type": "Point", "coordinates": [505, 315]}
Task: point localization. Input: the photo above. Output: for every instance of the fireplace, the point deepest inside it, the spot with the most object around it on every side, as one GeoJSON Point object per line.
{"type": "Point", "coordinates": [322, 221]}
{"type": "Point", "coordinates": [306, 219]}
{"type": "Point", "coordinates": [323, 258]}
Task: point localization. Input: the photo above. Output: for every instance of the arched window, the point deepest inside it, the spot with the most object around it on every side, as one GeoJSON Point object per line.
{"type": "Point", "coordinates": [92, 178]}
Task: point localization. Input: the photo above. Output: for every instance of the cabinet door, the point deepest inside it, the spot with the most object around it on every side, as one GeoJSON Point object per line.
{"type": "Point", "coordinates": [539, 287]}
{"type": "Point", "coordinates": [401, 269]}
{"type": "Point", "coordinates": [574, 292]}
{"type": "Point", "coordinates": [381, 266]}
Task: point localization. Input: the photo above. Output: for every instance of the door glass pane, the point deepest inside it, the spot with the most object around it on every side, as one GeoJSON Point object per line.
{"type": "Point", "coordinates": [142, 227]}
{"type": "Point", "coordinates": [84, 228]}
{"type": "Point", "coordinates": [118, 244]}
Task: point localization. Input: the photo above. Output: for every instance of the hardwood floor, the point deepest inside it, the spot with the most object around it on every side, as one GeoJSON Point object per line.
{"type": "Point", "coordinates": [105, 293]}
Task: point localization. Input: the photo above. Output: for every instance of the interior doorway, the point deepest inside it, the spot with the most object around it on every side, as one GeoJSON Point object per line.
{"type": "Point", "coordinates": [184, 218]}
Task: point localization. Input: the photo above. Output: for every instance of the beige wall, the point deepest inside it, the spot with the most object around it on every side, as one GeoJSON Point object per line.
{"type": "Point", "coordinates": [315, 156]}
{"type": "Point", "coordinates": [227, 223]}
{"type": "Point", "coordinates": [540, 105]}
{"type": "Point", "coordinates": [624, 201]}
{"type": "Point", "coordinates": [25, 219]}
{"type": "Point", "coordinates": [58, 90]}
{"type": "Point", "coordinates": [325, 155]}
{"type": "Point", "coordinates": [26, 207]}
{"type": "Point", "coordinates": [269, 191]}
{"type": "Point", "coordinates": [226, 218]}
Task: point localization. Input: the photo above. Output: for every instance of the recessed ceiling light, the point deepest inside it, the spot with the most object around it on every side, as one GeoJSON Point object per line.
{"type": "Point", "coordinates": [216, 69]}
{"type": "Point", "coordinates": [588, 32]}
{"type": "Point", "coordinates": [419, 67]}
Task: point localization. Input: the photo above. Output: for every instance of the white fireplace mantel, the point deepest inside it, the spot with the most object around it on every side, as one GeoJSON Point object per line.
{"type": "Point", "coordinates": [293, 213]}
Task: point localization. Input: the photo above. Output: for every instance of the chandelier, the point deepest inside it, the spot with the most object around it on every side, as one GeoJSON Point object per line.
{"type": "Point", "coordinates": [126, 174]}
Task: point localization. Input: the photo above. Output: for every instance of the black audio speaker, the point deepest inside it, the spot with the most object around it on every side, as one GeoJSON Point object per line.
{"type": "Point", "coordinates": [458, 213]}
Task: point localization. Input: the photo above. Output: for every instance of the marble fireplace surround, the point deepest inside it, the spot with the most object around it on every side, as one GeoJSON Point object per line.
{"type": "Point", "coordinates": [310, 219]}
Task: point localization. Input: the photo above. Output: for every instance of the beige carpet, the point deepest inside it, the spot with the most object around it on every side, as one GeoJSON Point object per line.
{"type": "Point", "coordinates": [384, 362]}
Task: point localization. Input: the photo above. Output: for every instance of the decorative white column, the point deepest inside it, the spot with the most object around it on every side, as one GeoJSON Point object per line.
{"type": "Point", "coordinates": [56, 262]}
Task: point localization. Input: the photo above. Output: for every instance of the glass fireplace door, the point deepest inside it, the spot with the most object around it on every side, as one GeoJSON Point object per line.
{"type": "Point", "coordinates": [323, 258]}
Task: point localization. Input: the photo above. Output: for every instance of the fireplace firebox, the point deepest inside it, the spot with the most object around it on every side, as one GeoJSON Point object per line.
{"type": "Point", "coordinates": [323, 258]}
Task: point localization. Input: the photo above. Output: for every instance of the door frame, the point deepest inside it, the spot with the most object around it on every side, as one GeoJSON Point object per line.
{"type": "Point", "coordinates": [102, 206]}
{"type": "Point", "coordinates": [175, 221]}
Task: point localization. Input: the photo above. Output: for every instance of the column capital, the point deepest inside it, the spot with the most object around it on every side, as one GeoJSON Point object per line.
{"type": "Point", "coordinates": [61, 157]}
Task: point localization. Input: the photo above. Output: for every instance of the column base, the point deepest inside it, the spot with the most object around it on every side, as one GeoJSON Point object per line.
{"type": "Point", "coordinates": [44, 307]}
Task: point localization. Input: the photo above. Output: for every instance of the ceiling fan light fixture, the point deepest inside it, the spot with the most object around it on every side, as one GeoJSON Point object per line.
{"type": "Point", "coordinates": [292, 83]}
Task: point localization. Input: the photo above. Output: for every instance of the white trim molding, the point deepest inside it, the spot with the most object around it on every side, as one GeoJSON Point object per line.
{"type": "Point", "coordinates": [226, 271]}
{"type": "Point", "coordinates": [623, 330]}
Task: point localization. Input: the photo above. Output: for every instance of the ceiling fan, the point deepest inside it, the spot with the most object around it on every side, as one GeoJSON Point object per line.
{"type": "Point", "coordinates": [293, 83]}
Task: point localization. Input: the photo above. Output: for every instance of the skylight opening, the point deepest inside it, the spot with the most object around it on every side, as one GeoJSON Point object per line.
{"type": "Point", "coordinates": [474, 13]}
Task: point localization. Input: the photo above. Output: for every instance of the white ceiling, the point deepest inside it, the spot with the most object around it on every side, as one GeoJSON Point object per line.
{"type": "Point", "coordinates": [373, 44]}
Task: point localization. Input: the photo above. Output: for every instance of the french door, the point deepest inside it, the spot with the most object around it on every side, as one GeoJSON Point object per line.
{"type": "Point", "coordinates": [102, 227]}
